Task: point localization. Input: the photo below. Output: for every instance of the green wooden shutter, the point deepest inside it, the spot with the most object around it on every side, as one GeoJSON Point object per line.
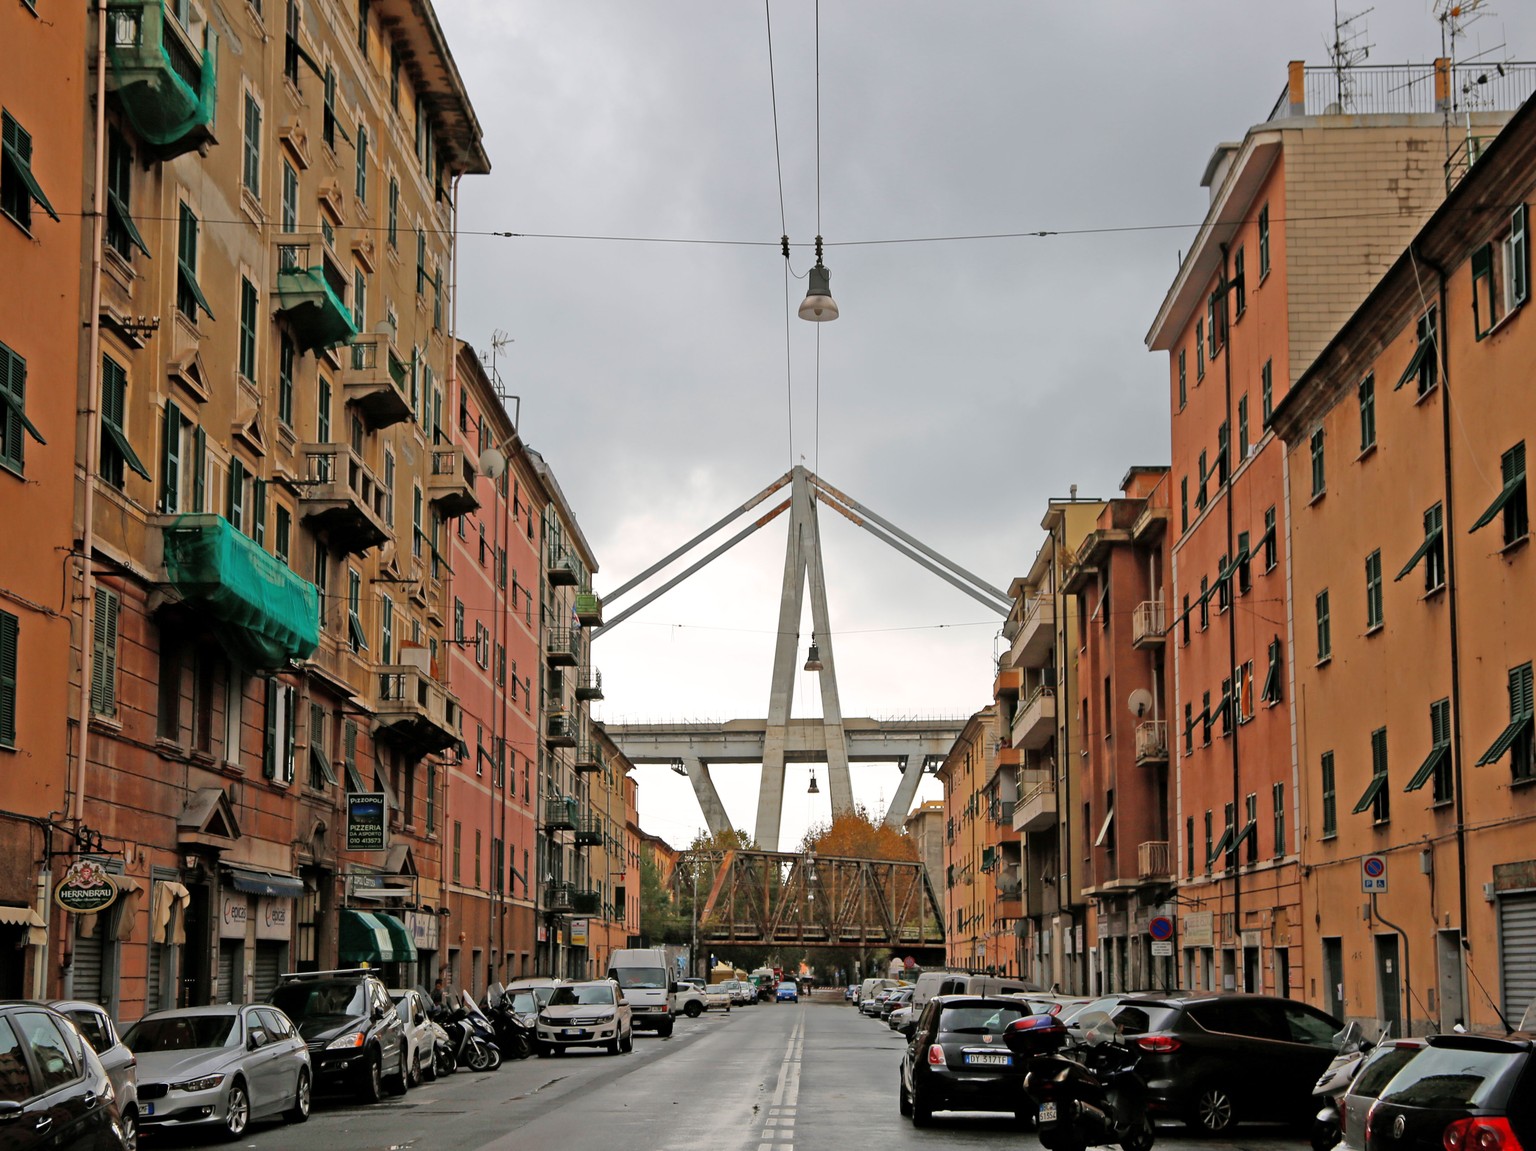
{"type": "Point", "coordinates": [104, 653]}
{"type": "Point", "coordinates": [9, 628]}
{"type": "Point", "coordinates": [259, 512]}
{"type": "Point", "coordinates": [1527, 704]}
{"type": "Point", "coordinates": [199, 468]}
{"type": "Point", "coordinates": [269, 734]}
{"type": "Point", "coordinates": [236, 514]}
{"type": "Point", "coordinates": [1519, 270]}
{"type": "Point", "coordinates": [170, 459]}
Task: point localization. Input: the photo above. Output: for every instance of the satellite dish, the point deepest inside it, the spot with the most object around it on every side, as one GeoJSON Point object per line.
{"type": "Point", "coordinates": [1140, 702]}
{"type": "Point", "coordinates": [493, 463]}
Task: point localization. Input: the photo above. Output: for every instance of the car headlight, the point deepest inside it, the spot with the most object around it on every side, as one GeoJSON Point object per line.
{"type": "Point", "coordinates": [206, 1083]}
{"type": "Point", "coordinates": [546, 1020]}
{"type": "Point", "coordinates": [350, 1039]}
{"type": "Point", "coordinates": [526, 1019]}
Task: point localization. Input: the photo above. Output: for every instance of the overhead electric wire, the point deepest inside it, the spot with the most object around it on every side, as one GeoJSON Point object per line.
{"type": "Point", "coordinates": [816, 450]}
{"type": "Point", "coordinates": [778, 164]}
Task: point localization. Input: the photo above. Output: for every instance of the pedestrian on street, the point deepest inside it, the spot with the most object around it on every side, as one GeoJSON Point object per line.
{"type": "Point", "coordinates": [439, 994]}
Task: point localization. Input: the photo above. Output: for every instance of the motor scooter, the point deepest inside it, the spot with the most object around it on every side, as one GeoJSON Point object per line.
{"type": "Point", "coordinates": [1350, 1050]}
{"type": "Point", "coordinates": [471, 1036]}
{"type": "Point", "coordinates": [515, 1023]}
{"type": "Point", "coordinates": [1086, 1092]}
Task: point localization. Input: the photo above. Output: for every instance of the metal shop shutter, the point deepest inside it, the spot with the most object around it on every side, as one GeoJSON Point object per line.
{"type": "Point", "coordinates": [88, 965]}
{"type": "Point", "coordinates": [152, 994]}
{"type": "Point", "coordinates": [269, 961]}
{"type": "Point", "coordinates": [229, 951]}
{"type": "Point", "coordinates": [1517, 952]}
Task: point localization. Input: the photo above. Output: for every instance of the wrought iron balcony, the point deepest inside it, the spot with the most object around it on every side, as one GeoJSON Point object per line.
{"type": "Point", "coordinates": [562, 647]}
{"type": "Point", "coordinates": [165, 85]}
{"type": "Point", "coordinates": [1148, 624]}
{"type": "Point", "coordinates": [560, 729]}
{"type": "Point", "coordinates": [451, 486]}
{"type": "Point", "coordinates": [373, 381]}
{"type": "Point", "coordinates": [588, 756]}
{"type": "Point", "coordinates": [589, 683]}
{"type": "Point", "coordinates": [589, 831]}
{"type": "Point", "coordinates": [1152, 741]}
{"type": "Point", "coordinates": [415, 711]}
{"type": "Point", "coordinates": [560, 814]}
{"type": "Point", "coordinates": [585, 901]}
{"type": "Point", "coordinates": [343, 498]}
{"type": "Point", "coordinates": [560, 568]}
{"type": "Point", "coordinates": [311, 295]}
{"type": "Point", "coordinates": [589, 609]}
{"type": "Point", "coordinates": [559, 898]}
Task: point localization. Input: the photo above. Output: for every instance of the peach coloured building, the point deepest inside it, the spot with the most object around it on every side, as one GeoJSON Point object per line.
{"type": "Point", "coordinates": [1306, 212]}
{"type": "Point", "coordinates": [971, 939]}
{"type": "Point", "coordinates": [1405, 451]}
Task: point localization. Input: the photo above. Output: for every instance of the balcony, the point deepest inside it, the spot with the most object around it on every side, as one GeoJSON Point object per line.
{"type": "Point", "coordinates": [1010, 757]}
{"type": "Point", "coordinates": [415, 711]}
{"type": "Point", "coordinates": [342, 498]}
{"type": "Point", "coordinates": [311, 295]}
{"type": "Point", "coordinates": [1036, 807]}
{"type": "Point", "coordinates": [589, 609]}
{"type": "Point", "coordinates": [165, 85]}
{"type": "Point", "coordinates": [560, 569]}
{"type": "Point", "coordinates": [451, 486]}
{"type": "Point", "coordinates": [1034, 724]}
{"type": "Point", "coordinates": [265, 613]}
{"type": "Point", "coordinates": [1008, 683]}
{"type": "Point", "coordinates": [1010, 899]}
{"type": "Point", "coordinates": [1149, 624]}
{"type": "Point", "coordinates": [373, 382]}
{"type": "Point", "coordinates": [1151, 742]}
{"type": "Point", "coordinates": [1152, 862]}
{"type": "Point", "coordinates": [589, 756]}
{"type": "Point", "coordinates": [1037, 633]}
{"type": "Point", "coordinates": [589, 684]}
{"type": "Point", "coordinates": [586, 901]}
{"type": "Point", "coordinates": [560, 729]}
{"type": "Point", "coordinates": [562, 647]}
{"type": "Point", "coordinates": [560, 814]}
{"type": "Point", "coordinates": [589, 831]}
{"type": "Point", "coordinates": [560, 898]}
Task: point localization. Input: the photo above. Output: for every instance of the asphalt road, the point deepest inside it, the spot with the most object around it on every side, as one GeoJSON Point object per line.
{"type": "Point", "coordinates": [810, 1077]}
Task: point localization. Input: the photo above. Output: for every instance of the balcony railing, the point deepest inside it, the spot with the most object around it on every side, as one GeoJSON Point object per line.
{"type": "Point", "coordinates": [1036, 807]}
{"type": "Point", "coordinates": [562, 647]}
{"type": "Point", "coordinates": [560, 729]}
{"type": "Point", "coordinates": [589, 683]}
{"type": "Point", "coordinates": [1148, 624]}
{"type": "Point", "coordinates": [1152, 860]}
{"type": "Point", "coordinates": [560, 898]}
{"type": "Point", "coordinates": [1152, 741]}
{"type": "Point", "coordinates": [1037, 632]}
{"type": "Point", "coordinates": [560, 568]}
{"type": "Point", "coordinates": [165, 85]}
{"type": "Point", "coordinates": [588, 756]}
{"type": "Point", "coordinates": [589, 831]}
{"type": "Point", "coordinates": [415, 711]}
{"type": "Point", "coordinates": [589, 609]}
{"type": "Point", "coordinates": [369, 383]}
{"type": "Point", "coordinates": [311, 297]}
{"type": "Point", "coordinates": [1035, 722]}
{"type": "Point", "coordinates": [585, 901]}
{"type": "Point", "coordinates": [451, 485]}
{"type": "Point", "coordinates": [343, 498]}
{"type": "Point", "coordinates": [560, 814]}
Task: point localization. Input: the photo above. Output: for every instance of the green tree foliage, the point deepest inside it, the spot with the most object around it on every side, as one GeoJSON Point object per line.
{"type": "Point", "coordinates": [660, 921]}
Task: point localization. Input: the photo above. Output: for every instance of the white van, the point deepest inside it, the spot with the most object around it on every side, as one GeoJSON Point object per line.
{"type": "Point", "coordinates": [931, 983]}
{"type": "Point", "coordinates": [646, 978]}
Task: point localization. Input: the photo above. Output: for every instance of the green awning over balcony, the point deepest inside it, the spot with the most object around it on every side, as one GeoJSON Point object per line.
{"type": "Point", "coordinates": [166, 91]}
{"type": "Point", "coordinates": [312, 308]}
{"type": "Point", "coordinates": [272, 615]}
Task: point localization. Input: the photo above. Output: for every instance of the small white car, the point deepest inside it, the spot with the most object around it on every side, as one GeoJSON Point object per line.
{"type": "Point", "coordinates": [420, 1056]}
{"type": "Point", "coordinates": [591, 1014]}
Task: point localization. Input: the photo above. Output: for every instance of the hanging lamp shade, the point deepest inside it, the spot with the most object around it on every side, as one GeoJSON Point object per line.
{"type": "Point", "coordinates": [813, 658]}
{"type": "Point", "coordinates": [818, 306]}
{"type": "Point", "coordinates": [813, 789]}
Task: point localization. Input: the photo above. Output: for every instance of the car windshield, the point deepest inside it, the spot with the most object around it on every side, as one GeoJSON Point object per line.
{"type": "Point", "coordinates": [1451, 1077]}
{"type": "Point", "coordinates": [585, 995]}
{"type": "Point", "coordinates": [640, 978]}
{"type": "Point", "coordinates": [309, 998]}
{"type": "Point", "coordinates": [1138, 1019]}
{"type": "Point", "coordinates": [182, 1033]}
{"type": "Point", "coordinates": [979, 1020]}
{"type": "Point", "coordinates": [1378, 1072]}
{"type": "Point", "coordinates": [523, 1001]}
{"type": "Point", "coordinates": [93, 1025]}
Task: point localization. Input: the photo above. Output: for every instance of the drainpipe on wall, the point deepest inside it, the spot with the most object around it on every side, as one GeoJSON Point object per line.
{"type": "Point", "coordinates": [1231, 467]}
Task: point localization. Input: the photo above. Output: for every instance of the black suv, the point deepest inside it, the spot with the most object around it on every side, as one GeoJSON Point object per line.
{"type": "Point", "coordinates": [355, 1036]}
{"type": "Point", "coordinates": [1219, 1059]}
{"type": "Point", "coordinates": [1460, 1091]}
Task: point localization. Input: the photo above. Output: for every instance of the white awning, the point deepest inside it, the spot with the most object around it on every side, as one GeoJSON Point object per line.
{"type": "Point", "coordinates": [20, 916]}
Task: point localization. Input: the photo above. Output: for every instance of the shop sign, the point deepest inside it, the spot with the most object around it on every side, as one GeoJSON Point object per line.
{"type": "Point", "coordinates": [423, 928]}
{"type": "Point", "coordinates": [578, 933]}
{"type": "Point", "coordinates": [1196, 930]}
{"type": "Point", "coordinates": [234, 914]}
{"type": "Point", "coordinates": [366, 824]}
{"type": "Point", "coordinates": [274, 917]}
{"type": "Point", "coordinates": [85, 888]}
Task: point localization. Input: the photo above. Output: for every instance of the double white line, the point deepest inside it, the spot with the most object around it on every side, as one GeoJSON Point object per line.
{"type": "Point", "coordinates": [779, 1126]}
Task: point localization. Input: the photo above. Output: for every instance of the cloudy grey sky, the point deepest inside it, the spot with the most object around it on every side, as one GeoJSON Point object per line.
{"type": "Point", "coordinates": [966, 382]}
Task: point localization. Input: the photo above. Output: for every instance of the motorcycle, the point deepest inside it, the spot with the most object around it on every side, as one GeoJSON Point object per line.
{"type": "Point", "coordinates": [514, 1018]}
{"type": "Point", "coordinates": [1086, 1092]}
{"type": "Point", "coordinates": [1327, 1125]}
{"type": "Point", "coordinates": [442, 1049]}
{"type": "Point", "coordinates": [471, 1036]}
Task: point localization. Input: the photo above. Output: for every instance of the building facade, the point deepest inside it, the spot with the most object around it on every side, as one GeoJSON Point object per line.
{"type": "Point", "coordinates": [970, 837]}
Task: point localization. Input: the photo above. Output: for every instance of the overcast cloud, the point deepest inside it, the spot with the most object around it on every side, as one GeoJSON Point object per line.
{"type": "Point", "coordinates": [966, 382]}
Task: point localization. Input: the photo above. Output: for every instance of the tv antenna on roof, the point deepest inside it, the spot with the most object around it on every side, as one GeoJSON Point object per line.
{"type": "Point", "coordinates": [1347, 50]}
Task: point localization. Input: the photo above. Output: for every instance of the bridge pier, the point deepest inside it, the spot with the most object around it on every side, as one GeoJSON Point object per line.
{"type": "Point", "coordinates": [715, 817]}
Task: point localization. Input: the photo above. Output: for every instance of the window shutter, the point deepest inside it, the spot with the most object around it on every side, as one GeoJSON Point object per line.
{"type": "Point", "coordinates": [9, 628]}
{"type": "Point", "coordinates": [290, 700]}
{"type": "Point", "coordinates": [170, 459]}
{"type": "Point", "coordinates": [259, 511]}
{"type": "Point", "coordinates": [1526, 702]}
{"type": "Point", "coordinates": [1519, 271]}
{"type": "Point", "coordinates": [104, 651]}
{"type": "Point", "coordinates": [269, 740]}
{"type": "Point", "coordinates": [236, 493]}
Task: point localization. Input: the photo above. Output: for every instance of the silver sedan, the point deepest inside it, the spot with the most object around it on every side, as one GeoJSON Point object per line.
{"type": "Point", "coordinates": [220, 1067]}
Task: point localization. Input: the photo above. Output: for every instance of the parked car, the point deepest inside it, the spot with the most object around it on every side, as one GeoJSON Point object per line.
{"type": "Point", "coordinates": [742, 993]}
{"type": "Point", "coordinates": [356, 1040]}
{"type": "Point", "coordinates": [1217, 1060]}
{"type": "Point", "coordinates": [415, 1016]}
{"type": "Point", "coordinates": [788, 992]}
{"type": "Point", "coordinates": [1462, 1091]}
{"type": "Point", "coordinates": [54, 1092]}
{"type": "Point", "coordinates": [590, 1014]}
{"type": "Point", "coordinates": [873, 1005]}
{"type": "Point", "coordinates": [957, 1061]}
{"type": "Point", "coordinates": [898, 998]}
{"type": "Point", "coordinates": [901, 1020]}
{"type": "Point", "coordinates": [1374, 1073]}
{"type": "Point", "coordinates": [1061, 1006]}
{"type": "Point", "coordinates": [100, 1032]}
{"type": "Point", "coordinates": [540, 987]}
{"type": "Point", "coordinates": [223, 1067]}
{"type": "Point", "coordinates": [716, 997]}
{"type": "Point", "coordinates": [851, 993]}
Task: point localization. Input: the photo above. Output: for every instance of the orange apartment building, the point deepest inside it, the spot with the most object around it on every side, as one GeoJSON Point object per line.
{"type": "Point", "coordinates": [1409, 518]}
{"type": "Point", "coordinates": [1306, 212]}
{"type": "Point", "coordinates": [614, 865]}
{"type": "Point", "coordinates": [44, 238]}
{"type": "Point", "coordinates": [971, 940]}
{"type": "Point", "coordinates": [1118, 578]}
{"type": "Point", "coordinates": [925, 828]}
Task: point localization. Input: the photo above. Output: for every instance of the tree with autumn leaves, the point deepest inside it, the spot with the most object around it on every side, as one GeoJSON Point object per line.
{"type": "Point", "coordinates": [858, 835]}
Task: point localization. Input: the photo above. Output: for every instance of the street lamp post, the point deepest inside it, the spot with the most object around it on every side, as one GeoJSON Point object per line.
{"type": "Point", "coordinates": [693, 946]}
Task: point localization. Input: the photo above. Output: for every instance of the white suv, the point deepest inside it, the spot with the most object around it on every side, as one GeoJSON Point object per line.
{"type": "Point", "coordinates": [592, 1014]}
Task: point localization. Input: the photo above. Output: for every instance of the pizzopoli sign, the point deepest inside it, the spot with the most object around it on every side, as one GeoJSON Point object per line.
{"type": "Point", "coordinates": [85, 888]}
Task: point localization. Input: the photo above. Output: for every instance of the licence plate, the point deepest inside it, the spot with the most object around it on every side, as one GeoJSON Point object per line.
{"type": "Point", "coordinates": [983, 1059]}
{"type": "Point", "coordinates": [149, 1108]}
{"type": "Point", "coordinates": [1047, 1113]}
{"type": "Point", "coordinates": [572, 1032]}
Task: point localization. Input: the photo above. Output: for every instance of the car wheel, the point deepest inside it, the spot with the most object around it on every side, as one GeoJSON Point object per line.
{"type": "Point", "coordinates": [131, 1129]}
{"type": "Point", "coordinates": [429, 1067]}
{"type": "Point", "coordinates": [299, 1112]}
{"type": "Point", "coordinates": [1214, 1111]}
{"type": "Point", "coordinates": [615, 1046]}
{"type": "Point", "coordinates": [399, 1082]}
{"type": "Point", "coordinates": [693, 1010]}
{"type": "Point", "coordinates": [371, 1089]}
{"type": "Point", "coordinates": [665, 1030]}
{"type": "Point", "coordinates": [237, 1113]}
{"type": "Point", "coordinates": [628, 1043]}
{"type": "Point", "coordinates": [922, 1108]}
{"type": "Point", "coordinates": [903, 1100]}
{"type": "Point", "coordinates": [1141, 1139]}
{"type": "Point", "coordinates": [414, 1078]}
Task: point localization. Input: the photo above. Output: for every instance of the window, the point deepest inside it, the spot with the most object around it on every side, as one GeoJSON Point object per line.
{"type": "Point", "coordinates": [280, 533]}
{"type": "Point", "coordinates": [362, 27]}
{"type": "Point", "coordinates": [1240, 564]}
{"type": "Point", "coordinates": [416, 534]}
{"type": "Point", "coordinates": [357, 638]}
{"type": "Point", "coordinates": [1271, 692]}
{"type": "Point", "coordinates": [1270, 541]}
{"type": "Point", "coordinates": [278, 736]}
{"type": "Point", "coordinates": [250, 168]}
{"type": "Point", "coordinates": [330, 126]}
{"type": "Point", "coordinates": [1199, 349]}
{"type": "Point", "coordinates": [421, 262]}
{"type": "Point", "coordinates": [1205, 474]}
{"type": "Point", "coordinates": [1184, 619]}
{"type": "Point", "coordinates": [1189, 846]}
{"type": "Point", "coordinates": [1368, 412]}
{"type": "Point", "coordinates": [1243, 443]}
{"type": "Point", "coordinates": [458, 850]}
{"type": "Point", "coordinates": [1277, 792]}
{"type": "Point", "coordinates": [1215, 323]}
{"type": "Point", "coordinates": [189, 296]}
{"type": "Point", "coordinates": [1263, 242]}
{"type": "Point", "coordinates": [360, 185]}
{"type": "Point", "coordinates": [290, 208]}
{"type": "Point", "coordinates": [1223, 584]}
{"type": "Point", "coordinates": [236, 503]}
{"type": "Point", "coordinates": [322, 579]}
{"type": "Point", "coordinates": [1431, 551]}
{"type": "Point", "coordinates": [287, 355]}
{"type": "Point", "coordinates": [1239, 284]}
{"type": "Point", "coordinates": [1205, 719]}
{"type": "Point", "coordinates": [1511, 498]}
{"type": "Point", "coordinates": [394, 213]}
{"type": "Point", "coordinates": [1224, 707]}
{"type": "Point", "coordinates": [1250, 833]}
{"type": "Point", "coordinates": [1373, 591]}
{"type": "Point", "coordinates": [1500, 275]}
{"type": "Point", "coordinates": [323, 411]}
{"type": "Point", "coordinates": [1423, 364]}
{"type": "Point", "coordinates": [1267, 392]}
{"type": "Point", "coordinates": [1183, 503]}
{"type": "Point", "coordinates": [1437, 764]}
{"type": "Point", "coordinates": [183, 456]}
{"type": "Point", "coordinates": [1223, 452]}
{"type": "Point", "coordinates": [1330, 798]}
{"type": "Point", "coordinates": [19, 188]}
{"type": "Point", "coordinates": [1205, 603]}
{"type": "Point", "coordinates": [10, 628]}
{"type": "Point", "coordinates": [321, 773]}
{"type": "Point", "coordinates": [1209, 853]}
{"type": "Point", "coordinates": [14, 424]}
{"type": "Point", "coordinates": [359, 299]}
{"type": "Point", "coordinates": [1324, 632]}
{"type": "Point", "coordinates": [1377, 797]}
{"type": "Point", "coordinates": [458, 619]}
{"type": "Point", "coordinates": [104, 652]}
{"type": "Point", "coordinates": [386, 630]}
{"type": "Point", "coordinates": [1319, 473]}
{"type": "Point", "coordinates": [1242, 691]}
{"type": "Point", "coordinates": [122, 233]}
{"type": "Point", "coordinates": [1183, 381]}
{"type": "Point", "coordinates": [1516, 736]}
{"type": "Point", "coordinates": [1189, 729]}
{"type": "Point", "coordinates": [248, 311]}
{"type": "Point", "coordinates": [437, 299]}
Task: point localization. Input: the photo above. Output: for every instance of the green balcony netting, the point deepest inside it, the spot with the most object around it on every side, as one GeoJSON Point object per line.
{"type": "Point", "coordinates": [315, 313]}
{"type": "Point", "coordinates": [164, 89]}
{"type": "Point", "coordinates": [272, 614]}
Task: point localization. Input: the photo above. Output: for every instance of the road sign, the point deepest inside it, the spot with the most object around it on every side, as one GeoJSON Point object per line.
{"type": "Point", "coordinates": [1373, 874]}
{"type": "Point", "coordinates": [1160, 928]}
{"type": "Point", "coordinates": [1162, 947]}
